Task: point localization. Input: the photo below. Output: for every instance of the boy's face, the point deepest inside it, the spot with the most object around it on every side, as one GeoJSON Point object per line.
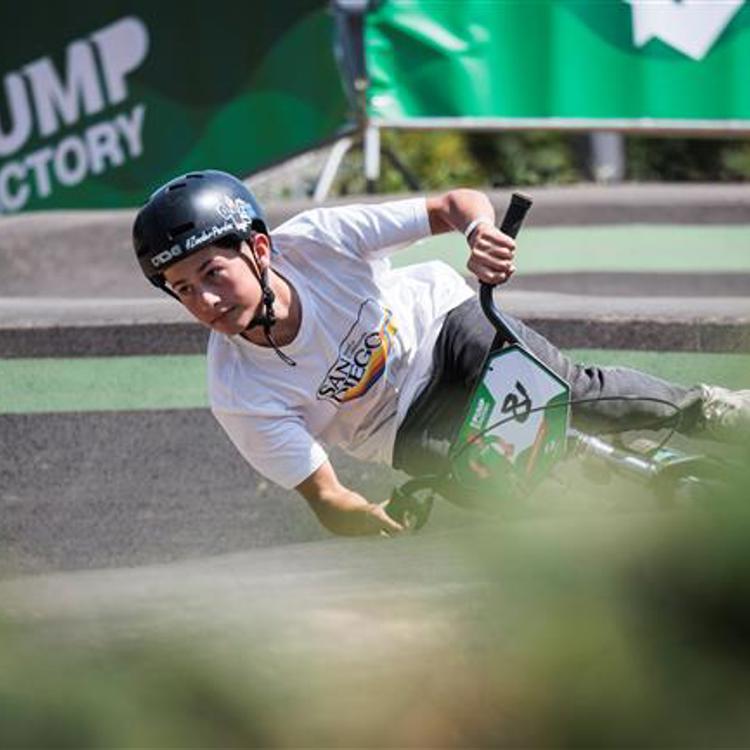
{"type": "Point", "coordinates": [218, 287]}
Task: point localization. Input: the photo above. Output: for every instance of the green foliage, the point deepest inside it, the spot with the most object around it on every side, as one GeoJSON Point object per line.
{"type": "Point", "coordinates": [436, 158]}
{"type": "Point", "coordinates": [687, 159]}
{"type": "Point", "coordinates": [441, 159]}
{"type": "Point", "coordinates": [736, 160]}
{"type": "Point", "coordinates": [532, 158]}
{"type": "Point", "coordinates": [444, 159]}
{"type": "Point", "coordinates": [136, 695]}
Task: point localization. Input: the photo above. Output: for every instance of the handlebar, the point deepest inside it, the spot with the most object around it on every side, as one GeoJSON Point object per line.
{"type": "Point", "coordinates": [511, 225]}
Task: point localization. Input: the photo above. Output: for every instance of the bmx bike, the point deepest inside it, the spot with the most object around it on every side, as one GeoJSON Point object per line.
{"type": "Point", "coordinates": [517, 430]}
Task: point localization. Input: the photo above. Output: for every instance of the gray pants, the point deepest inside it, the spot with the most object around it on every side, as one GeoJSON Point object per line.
{"type": "Point", "coordinates": [434, 418]}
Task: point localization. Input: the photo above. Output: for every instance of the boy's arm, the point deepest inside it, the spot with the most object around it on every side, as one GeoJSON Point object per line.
{"type": "Point", "coordinates": [471, 213]}
{"type": "Point", "coordinates": [341, 510]}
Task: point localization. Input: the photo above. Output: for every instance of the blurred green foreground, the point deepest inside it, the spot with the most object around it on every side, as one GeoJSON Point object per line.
{"type": "Point", "coordinates": [589, 627]}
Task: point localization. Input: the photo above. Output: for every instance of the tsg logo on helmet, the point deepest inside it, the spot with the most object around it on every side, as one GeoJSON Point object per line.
{"type": "Point", "coordinates": [163, 259]}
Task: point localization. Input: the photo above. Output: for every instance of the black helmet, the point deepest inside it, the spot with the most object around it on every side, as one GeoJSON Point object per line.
{"type": "Point", "coordinates": [189, 213]}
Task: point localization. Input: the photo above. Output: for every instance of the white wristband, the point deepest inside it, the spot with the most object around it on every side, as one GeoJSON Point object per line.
{"type": "Point", "coordinates": [475, 223]}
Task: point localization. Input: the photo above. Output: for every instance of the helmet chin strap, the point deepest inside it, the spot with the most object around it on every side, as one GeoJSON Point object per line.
{"type": "Point", "coordinates": [266, 319]}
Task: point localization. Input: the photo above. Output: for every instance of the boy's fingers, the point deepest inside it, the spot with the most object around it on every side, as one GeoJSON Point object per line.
{"type": "Point", "coordinates": [389, 523]}
{"type": "Point", "coordinates": [491, 262]}
{"type": "Point", "coordinates": [494, 251]}
{"type": "Point", "coordinates": [491, 270]}
{"type": "Point", "coordinates": [492, 235]}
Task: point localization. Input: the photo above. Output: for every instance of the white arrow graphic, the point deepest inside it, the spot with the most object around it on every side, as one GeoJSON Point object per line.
{"type": "Point", "coordinates": [690, 26]}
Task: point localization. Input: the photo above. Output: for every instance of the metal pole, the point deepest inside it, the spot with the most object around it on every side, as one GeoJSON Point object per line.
{"type": "Point", "coordinates": [331, 168]}
{"type": "Point", "coordinates": [607, 156]}
{"type": "Point", "coordinates": [372, 157]}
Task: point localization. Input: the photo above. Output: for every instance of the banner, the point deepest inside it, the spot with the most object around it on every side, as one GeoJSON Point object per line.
{"type": "Point", "coordinates": [679, 64]}
{"type": "Point", "coordinates": [102, 102]}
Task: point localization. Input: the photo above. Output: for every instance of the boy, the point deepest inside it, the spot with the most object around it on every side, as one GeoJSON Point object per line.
{"type": "Point", "coordinates": [316, 341]}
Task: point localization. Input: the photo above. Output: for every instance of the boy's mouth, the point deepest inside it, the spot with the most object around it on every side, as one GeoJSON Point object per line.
{"type": "Point", "coordinates": [222, 315]}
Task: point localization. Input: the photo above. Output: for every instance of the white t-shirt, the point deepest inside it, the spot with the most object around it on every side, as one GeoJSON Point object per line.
{"type": "Point", "coordinates": [363, 351]}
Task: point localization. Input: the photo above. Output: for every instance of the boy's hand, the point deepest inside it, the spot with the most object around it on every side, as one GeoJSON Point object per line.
{"type": "Point", "coordinates": [492, 254]}
{"type": "Point", "coordinates": [389, 526]}
{"type": "Point", "coordinates": [341, 510]}
{"type": "Point", "coordinates": [409, 505]}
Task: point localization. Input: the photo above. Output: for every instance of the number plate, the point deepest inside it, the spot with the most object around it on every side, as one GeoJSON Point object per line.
{"type": "Point", "coordinates": [516, 424]}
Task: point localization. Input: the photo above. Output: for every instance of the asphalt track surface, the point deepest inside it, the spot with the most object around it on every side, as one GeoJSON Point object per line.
{"type": "Point", "coordinates": [322, 587]}
{"type": "Point", "coordinates": [136, 523]}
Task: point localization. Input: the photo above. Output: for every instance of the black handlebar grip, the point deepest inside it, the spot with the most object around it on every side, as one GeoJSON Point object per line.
{"type": "Point", "coordinates": [515, 214]}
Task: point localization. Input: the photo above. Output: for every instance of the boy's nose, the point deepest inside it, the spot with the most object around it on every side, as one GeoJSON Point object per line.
{"type": "Point", "coordinates": [208, 298]}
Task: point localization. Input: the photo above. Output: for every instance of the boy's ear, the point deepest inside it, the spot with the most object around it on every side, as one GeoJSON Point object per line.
{"type": "Point", "coordinates": [260, 243]}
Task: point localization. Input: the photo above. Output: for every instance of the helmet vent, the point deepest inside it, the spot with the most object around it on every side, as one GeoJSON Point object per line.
{"type": "Point", "coordinates": [194, 176]}
{"type": "Point", "coordinates": [175, 232]}
{"type": "Point", "coordinates": [176, 186]}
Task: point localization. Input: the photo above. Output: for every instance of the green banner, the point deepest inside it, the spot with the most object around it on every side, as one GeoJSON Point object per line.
{"type": "Point", "coordinates": [102, 102]}
{"type": "Point", "coordinates": [586, 63]}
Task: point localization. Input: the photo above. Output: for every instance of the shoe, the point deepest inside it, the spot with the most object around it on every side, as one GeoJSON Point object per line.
{"type": "Point", "coordinates": [725, 413]}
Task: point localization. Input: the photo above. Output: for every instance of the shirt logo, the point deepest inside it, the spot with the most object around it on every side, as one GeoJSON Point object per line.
{"type": "Point", "coordinates": [362, 357]}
